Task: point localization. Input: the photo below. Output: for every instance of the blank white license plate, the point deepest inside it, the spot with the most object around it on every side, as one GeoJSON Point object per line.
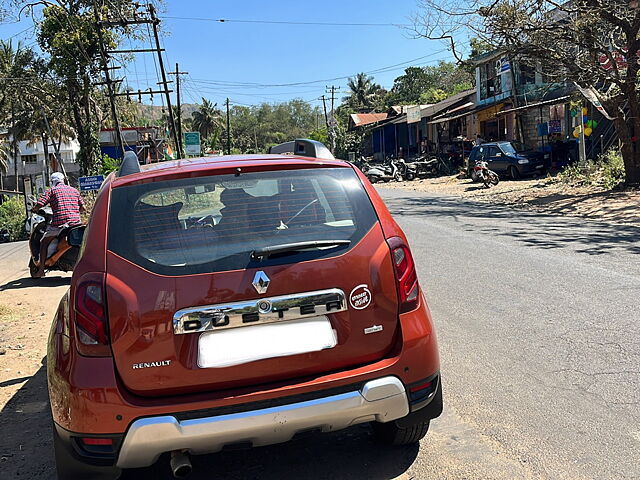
{"type": "Point", "coordinates": [236, 346]}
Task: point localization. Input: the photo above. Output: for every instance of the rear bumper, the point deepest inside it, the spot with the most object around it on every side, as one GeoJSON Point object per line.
{"type": "Point", "coordinates": [380, 400]}
{"type": "Point", "coordinates": [87, 397]}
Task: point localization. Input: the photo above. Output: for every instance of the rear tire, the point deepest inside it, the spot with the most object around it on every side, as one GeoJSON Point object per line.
{"type": "Point", "coordinates": [33, 268]}
{"type": "Point", "coordinates": [392, 434]}
{"type": "Point", "coordinates": [410, 176]}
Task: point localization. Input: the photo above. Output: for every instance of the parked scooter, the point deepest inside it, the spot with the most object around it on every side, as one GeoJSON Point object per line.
{"type": "Point", "coordinates": [384, 173]}
{"type": "Point", "coordinates": [482, 173]}
{"type": "Point", "coordinates": [407, 170]}
{"type": "Point", "coordinates": [62, 252]}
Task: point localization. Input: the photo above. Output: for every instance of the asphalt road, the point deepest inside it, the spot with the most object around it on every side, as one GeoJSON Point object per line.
{"type": "Point", "coordinates": [539, 336]}
{"type": "Point", "coordinates": [539, 329]}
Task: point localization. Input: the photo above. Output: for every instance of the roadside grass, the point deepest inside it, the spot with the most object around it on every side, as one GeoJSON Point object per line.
{"type": "Point", "coordinates": [606, 172]}
{"type": "Point", "coordinates": [7, 314]}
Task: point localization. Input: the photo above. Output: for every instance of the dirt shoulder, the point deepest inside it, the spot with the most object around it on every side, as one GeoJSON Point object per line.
{"type": "Point", "coordinates": [546, 195]}
{"type": "Point", "coordinates": [27, 307]}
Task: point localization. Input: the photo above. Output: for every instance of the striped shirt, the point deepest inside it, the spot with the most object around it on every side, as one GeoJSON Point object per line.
{"type": "Point", "coordinates": [65, 202]}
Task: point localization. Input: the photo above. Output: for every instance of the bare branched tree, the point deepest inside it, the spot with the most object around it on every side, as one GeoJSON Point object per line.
{"type": "Point", "coordinates": [594, 43]}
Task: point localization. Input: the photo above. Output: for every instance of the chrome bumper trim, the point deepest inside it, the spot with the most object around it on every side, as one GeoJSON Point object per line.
{"type": "Point", "coordinates": [258, 311]}
{"type": "Point", "coordinates": [380, 400]}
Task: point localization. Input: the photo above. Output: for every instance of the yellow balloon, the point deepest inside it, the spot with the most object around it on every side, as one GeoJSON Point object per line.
{"type": "Point", "coordinates": [576, 133]}
{"type": "Point", "coordinates": [588, 131]}
{"type": "Point", "coordinates": [584, 110]}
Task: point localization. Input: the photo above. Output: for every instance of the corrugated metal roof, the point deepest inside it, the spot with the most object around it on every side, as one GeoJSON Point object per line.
{"type": "Point", "coordinates": [436, 108]}
{"type": "Point", "coordinates": [360, 119]}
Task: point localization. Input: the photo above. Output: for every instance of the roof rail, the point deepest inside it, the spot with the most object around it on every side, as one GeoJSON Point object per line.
{"type": "Point", "coordinates": [304, 147]}
{"type": "Point", "coordinates": [129, 165]}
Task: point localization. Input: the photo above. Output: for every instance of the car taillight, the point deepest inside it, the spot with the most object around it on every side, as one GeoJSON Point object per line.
{"type": "Point", "coordinates": [406, 276]}
{"type": "Point", "coordinates": [91, 316]}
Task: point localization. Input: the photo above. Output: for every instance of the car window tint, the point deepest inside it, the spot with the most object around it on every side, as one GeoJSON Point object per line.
{"type": "Point", "coordinates": [491, 151]}
{"type": "Point", "coordinates": [213, 223]}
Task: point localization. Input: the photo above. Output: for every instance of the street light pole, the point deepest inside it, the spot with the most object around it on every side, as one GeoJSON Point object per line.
{"type": "Point", "coordinates": [228, 129]}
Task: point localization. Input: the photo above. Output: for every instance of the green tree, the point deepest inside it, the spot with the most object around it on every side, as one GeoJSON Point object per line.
{"type": "Point", "coordinates": [207, 119]}
{"type": "Point", "coordinates": [364, 93]}
{"type": "Point", "coordinates": [447, 77]}
{"type": "Point", "coordinates": [592, 43]}
{"type": "Point", "coordinates": [22, 93]}
{"type": "Point", "coordinates": [67, 34]}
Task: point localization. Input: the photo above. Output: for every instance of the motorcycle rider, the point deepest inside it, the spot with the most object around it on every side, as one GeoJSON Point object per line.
{"type": "Point", "coordinates": [66, 204]}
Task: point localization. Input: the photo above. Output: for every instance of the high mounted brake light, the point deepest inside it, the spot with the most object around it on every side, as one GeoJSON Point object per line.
{"type": "Point", "coordinates": [406, 276]}
{"type": "Point", "coordinates": [91, 316]}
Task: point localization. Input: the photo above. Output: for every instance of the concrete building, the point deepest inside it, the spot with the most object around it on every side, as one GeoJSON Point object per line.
{"type": "Point", "coordinates": [31, 162]}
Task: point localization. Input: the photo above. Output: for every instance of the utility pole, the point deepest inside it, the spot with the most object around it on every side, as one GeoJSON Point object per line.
{"type": "Point", "coordinates": [332, 133]}
{"type": "Point", "coordinates": [56, 146]}
{"type": "Point", "coordinates": [582, 151]}
{"type": "Point", "coordinates": [139, 18]}
{"type": "Point", "coordinates": [172, 123]}
{"type": "Point", "coordinates": [228, 129]}
{"type": "Point", "coordinates": [109, 83]}
{"type": "Point", "coordinates": [15, 146]}
{"type": "Point", "coordinates": [177, 73]}
{"type": "Point", "coordinates": [324, 105]}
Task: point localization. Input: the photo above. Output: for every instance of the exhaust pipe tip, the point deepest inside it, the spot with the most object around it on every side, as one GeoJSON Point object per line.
{"type": "Point", "coordinates": [180, 464]}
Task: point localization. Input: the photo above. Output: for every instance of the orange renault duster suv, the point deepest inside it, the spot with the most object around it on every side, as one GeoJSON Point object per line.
{"type": "Point", "coordinates": [234, 301]}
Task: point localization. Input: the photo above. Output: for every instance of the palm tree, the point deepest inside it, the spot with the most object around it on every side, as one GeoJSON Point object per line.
{"type": "Point", "coordinates": [5, 153]}
{"type": "Point", "coordinates": [207, 118]}
{"type": "Point", "coordinates": [363, 92]}
{"type": "Point", "coordinates": [17, 67]}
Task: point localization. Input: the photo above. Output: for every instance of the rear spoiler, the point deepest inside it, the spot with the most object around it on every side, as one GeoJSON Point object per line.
{"type": "Point", "coordinates": [304, 147]}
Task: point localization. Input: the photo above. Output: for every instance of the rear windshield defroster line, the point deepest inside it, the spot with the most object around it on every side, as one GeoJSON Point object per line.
{"type": "Point", "coordinates": [215, 223]}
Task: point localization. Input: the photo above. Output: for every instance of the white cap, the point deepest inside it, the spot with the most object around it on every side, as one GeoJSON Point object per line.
{"type": "Point", "coordinates": [56, 178]}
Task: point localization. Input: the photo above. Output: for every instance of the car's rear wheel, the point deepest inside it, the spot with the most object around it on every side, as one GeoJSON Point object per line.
{"type": "Point", "coordinates": [514, 173]}
{"type": "Point", "coordinates": [393, 434]}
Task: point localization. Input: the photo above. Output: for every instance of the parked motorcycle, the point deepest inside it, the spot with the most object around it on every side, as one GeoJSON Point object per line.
{"type": "Point", "coordinates": [384, 173]}
{"type": "Point", "coordinates": [62, 252]}
{"type": "Point", "coordinates": [482, 173]}
{"type": "Point", "coordinates": [407, 170]}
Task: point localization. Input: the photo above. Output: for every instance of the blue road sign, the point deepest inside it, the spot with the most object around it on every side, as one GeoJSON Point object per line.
{"type": "Point", "coordinates": [90, 183]}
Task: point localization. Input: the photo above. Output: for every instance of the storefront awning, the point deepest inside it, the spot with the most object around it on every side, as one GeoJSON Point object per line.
{"type": "Point", "coordinates": [453, 117]}
{"type": "Point", "coordinates": [534, 105]}
{"type": "Point", "coordinates": [490, 113]}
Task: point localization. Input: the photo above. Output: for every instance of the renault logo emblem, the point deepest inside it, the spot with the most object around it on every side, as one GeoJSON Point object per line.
{"type": "Point", "coordinates": [261, 282]}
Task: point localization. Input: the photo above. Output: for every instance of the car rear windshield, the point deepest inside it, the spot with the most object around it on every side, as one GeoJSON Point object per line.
{"type": "Point", "coordinates": [215, 223]}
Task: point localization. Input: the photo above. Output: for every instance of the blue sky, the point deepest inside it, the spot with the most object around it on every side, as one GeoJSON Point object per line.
{"type": "Point", "coordinates": [220, 56]}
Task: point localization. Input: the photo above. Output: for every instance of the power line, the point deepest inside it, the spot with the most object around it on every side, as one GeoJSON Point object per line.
{"type": "Point", "coordinates": [294, 84]}
{"type": "Point", "coordinates": [283, 22]}
{"type": "Point", "coordinates": [21, 32]}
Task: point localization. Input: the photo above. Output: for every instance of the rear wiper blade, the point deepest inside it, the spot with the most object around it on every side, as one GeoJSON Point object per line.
{"type": "Point", "coordinates": [266, 252]}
